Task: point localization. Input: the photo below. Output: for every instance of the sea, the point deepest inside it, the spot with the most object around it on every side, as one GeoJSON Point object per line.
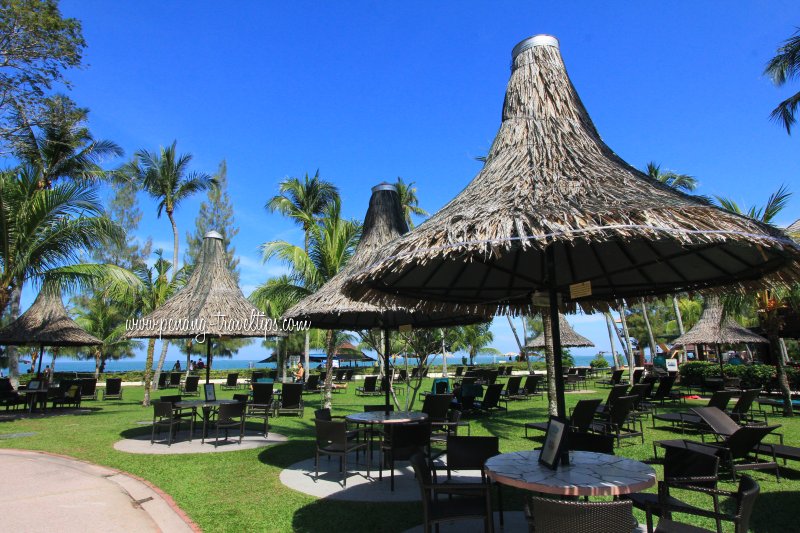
{"type": "Point", "coordinates": [127, 365]}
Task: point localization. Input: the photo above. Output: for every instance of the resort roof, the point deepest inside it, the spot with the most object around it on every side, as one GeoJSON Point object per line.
{"type": "Point", "coordinates": [46, 322]}
{"type": "Point", "coordinates": [569, 337]}
{"type": "Point", "coordinates": [551, 183]}
{"type": "Point", "coordinates": [714, 327]}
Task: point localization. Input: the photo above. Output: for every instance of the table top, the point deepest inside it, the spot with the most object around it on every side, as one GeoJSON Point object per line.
{"type": "Point", "coordinates": [380, 417]}
{"type": "Point", "coordinates": [202, 403]}
{"type": "Point", "coordinates": [32, 391]}
{"type": "Point", "coordinates": [588, 474]}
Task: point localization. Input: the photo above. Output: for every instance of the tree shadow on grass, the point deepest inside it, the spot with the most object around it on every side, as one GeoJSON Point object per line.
{"type": "Point", "coordinates": [775, 511]}
{"type": "Point", "coordinates": [327, 515]}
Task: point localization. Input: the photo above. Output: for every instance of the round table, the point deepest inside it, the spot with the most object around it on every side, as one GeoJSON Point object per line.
{"type": "Point", "coordinates": [188, 404]}
{"type": "Point", "coordinates": [588, 474]}
{"type": "Point", "coordinates": [380, 417]}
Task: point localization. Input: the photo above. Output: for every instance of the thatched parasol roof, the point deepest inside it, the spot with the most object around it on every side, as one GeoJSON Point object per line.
{"type": "Point", "coordinates": [551, 183]}
{"type": "Point", "coordinates": [331, 308]}
{"type": "Point", "coordinates": [210, 303]}
{"type": "Point", "coordinates": [46, 322]}
{"type": "Point", "coordinates": [569, 337]}
{"type": "Point", "coordinates": [714, 327]}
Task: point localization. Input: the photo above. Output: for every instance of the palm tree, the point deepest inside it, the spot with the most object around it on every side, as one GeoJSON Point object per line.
{"type": "Point", "coordinates": [104, 318]}
{"type": "Point", "coordinates": [781, 68]}
{"type": "Point", "coordinates": [64, 146]}
{"type": "Point", "coordinates": [475, 339]}
{"type": "Point", "coordinates": [769, 302]}
{"type": "Point", "coordinates": [165, 176]}
{"type": "Point", "coordinates": [331, 243]}
{"type": "Point", "coordinates": [409, 201]}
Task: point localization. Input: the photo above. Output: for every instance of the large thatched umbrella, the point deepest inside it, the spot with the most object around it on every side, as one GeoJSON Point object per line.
{"type": "Point", "coordinates": [210, 305]}
{"type": "Point", "coordinates": [331, 308]}
{"type": "Point", "coordinates": [555, 211]}
{"type": "Point", "coordinates": [569, 337]}
{"type": "Point", "coordinates": [46, 323]}
{"type": "Point", "coordinates": [715, 328]}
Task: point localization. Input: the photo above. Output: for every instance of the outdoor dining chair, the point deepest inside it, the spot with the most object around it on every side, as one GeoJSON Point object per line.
{"type": "Point", "coordinates": [113, 390]}
{"type": "Point", "coordinates": [228, 416]}
{"type": "Point", "coordinates": [744, 501]}
{"type": "Point", "coordinates": [472, 501]}
{"type": "Point", "coordinates": [401, 441]}
{"type": "Point", "coordinates": [332, 439]}
{"type": "Point", "coordinates": [71, 396]}
{"type": "Point", "coordinates": [561, 516]}
{"type": "Point", "coordinates": [165, 416]}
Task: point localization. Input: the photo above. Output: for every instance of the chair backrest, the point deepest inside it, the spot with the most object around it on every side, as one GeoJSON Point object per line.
{"type": "Point", "coordinates": [720, 399]}
{"type": "Point", "coordinates": [256, 375]}
{"type": "Point", "coordinates": [348, 375]}
{"type": "Point", "coordinates": [323, 414]}
{"type": "Point", "coordinates": [512, 387]}
{"type": "Point", "coordinates": [231, 380]}
{"type": "Point", "coordinates": [291, 395]}
{"type": "Point", "coordinates": [683, 465]}
{"type": "Point", "coordinates": [242, 398]}
{"type": "Point", "coordinates": [113, 386]}
{"type": "Point", "coordinates": [664, 387]}
{"type": "Point", "coordinates": [406, 439]}
{"type": "Point", "coordinates": [422, 471]}
{"type": "Point", "coordinates": [719, 421]}
{"type": "Point", "coordinates": [590, 442]}
{"type": "Point", "coordinates": [436, 406]}
{"type": "Point", "coordinates": [370, 383]}
{"type": "Point", "coordinates": [621, 409]}
{"type": "Point", "coordinates": [440, 386]}
{"type": "Point", "coordinates": [175, 378]}
{"type": "Point", "coordinates": [229, 411]}
{"type": "Point", "coordinates": [492, 396]}
{"type": "Point", "coordinates": [262, 393]}
{"type": "Point", "coordinates": [459, 371]}
{"type": "Point", "coordinates": [403, 374]}
{"type": "Point", "coordinates": [171, 398]}
{"type": "Point", "coordinates": [415, 372]}
{"type": "Point", "coordinates": [746, 438]}
{"type": "Point", "coordinates": [88, 386]}
{"type": "Point", "coordinates": [745, 501]}
{"type": "Point", "coordinates": [640, 390]}
{"type": "Point", "coordinates": [470, 453]}
{"type": "Point", "coordinates": [616, 376]}
{"type": "Point", "coordinates": [375, 408]}
{"type": "Point", "coordinates": [491, 376]}
{"type": "Point", "coordinates": [745, 401]}
{"type": "Point", "coordinates": [330, 433]}
{"type": "Point", "coordinates": [162, 380]}
{"type": "Point", "coordinates": [468, 381]}
{"type": "Point", "coordinates": [583, 414]}
{"type": "Point", "coordinates": [191, 384]}
{"type": "Point", "coordinates": [616, 391]}
{"type": "Point", "coordinates": [586, 517]}
{"type": "Point", "coordinates": [582, 372]}
{"type": "Point", "coordinates": [532, 383]}
{"type": "Point", "coordinates": [272, 374]}
{"type": "Point", "coordinates": [162, 409]}
{"type": "Point", "coordinates": [312, 383]}
{"type": "Point", "coordinates": [323, 375]}
{"type": "Point", "coordinates": [338, 375]}
{"type": "Point", "coordinates": [5, 385]}
{"type": "Point", "coordinates": [73, 392]}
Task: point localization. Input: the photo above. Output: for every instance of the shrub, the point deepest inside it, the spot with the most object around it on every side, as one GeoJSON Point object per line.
{"type": "Point", "coordinates": [598, 362]}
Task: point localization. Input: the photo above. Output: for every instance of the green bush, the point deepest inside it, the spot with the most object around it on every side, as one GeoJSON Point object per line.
{"type": "Point", "coordinates": [598, 362]}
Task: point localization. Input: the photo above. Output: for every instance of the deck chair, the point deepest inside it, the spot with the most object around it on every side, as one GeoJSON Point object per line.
{"type": "Point", "coordinates": [742, 410]}
{"type": "Point", "coordinates": [580, 419]}
{"type": "Point", "coordinates": [231, 382]}
{"type": "Point", "coordinates": [113, 390]}
{"type": "Point", "coordinates": [615, 379]}
{"type": "Point", "coordinates": [191, 386]}
{"type": "Point", "coordinates": [511, 391]}
{"type": "Point", "coordinates": [89, 389]}
{"type": "Point", "coordinates": [719, 399]}
{"type": "Point", "coordinates": [312, 384]}
{"type": "Point", "coordinates": [291, 400]}
{"type": "Point", "coordinates": [531, 387]}
{"type": "Point", "coordinates": [662, 394]}
{"type": "Point", "coordinates": [162, 380]}
{"type": "Point", "coordinates": [370, 387]}
{"type": "Point", "coordinates": [491, 400]}
{"type": "Point", "coordinates": [619, 422]}
{"type": "Point", "coordinates": [175, 379]}
{"type": "Point", "coordinates": [617, 391]}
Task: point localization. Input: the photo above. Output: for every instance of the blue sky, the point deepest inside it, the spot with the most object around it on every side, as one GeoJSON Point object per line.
{"type": "Point", "coordinates": [369, 91]}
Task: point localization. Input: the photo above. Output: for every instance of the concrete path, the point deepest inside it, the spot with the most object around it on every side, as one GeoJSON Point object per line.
{"type": "Point", "coordinates": [252, 439]}
{"type": "Point", "coordinates": [45, 492]}
{"type": "Point", "coordinates": [513, 521]}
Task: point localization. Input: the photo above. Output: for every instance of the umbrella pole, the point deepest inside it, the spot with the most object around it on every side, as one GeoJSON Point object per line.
{"type": "Point", "coordinates": [41, 356]}
{"type": "Point", "coordinates": [387, 346]}
{"type": "Point", "coordinates": [208, 359]}
{"type": "Point", "coordinates": [721, 367]}
{"type": "Point", "coordinates": [556, 332]}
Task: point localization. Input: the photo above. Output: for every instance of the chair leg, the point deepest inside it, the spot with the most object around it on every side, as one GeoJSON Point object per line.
{"type": "Point", "coordinates": [344, 468]}
{"type": "Point", "coordinates": [316, 465]}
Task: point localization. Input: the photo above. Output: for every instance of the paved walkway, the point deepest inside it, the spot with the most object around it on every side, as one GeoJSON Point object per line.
{"type": "Point", "coordinates": [252, 439]}
{"type": "Point", "coordinates": [45, 492]}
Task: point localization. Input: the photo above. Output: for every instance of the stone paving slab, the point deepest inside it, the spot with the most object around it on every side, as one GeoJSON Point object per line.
{"type": "Point", "coordinates": [251, 440]}
{"type": "Point", "coordinates": [57, 493]}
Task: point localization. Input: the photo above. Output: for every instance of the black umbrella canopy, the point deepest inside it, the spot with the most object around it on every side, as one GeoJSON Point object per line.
{"type": "Point", "coordinates": [569, 337]}
{"type": "Point", "coordinates": [331, 308]}
{"type": "Point", "coordinates": [550, 185]}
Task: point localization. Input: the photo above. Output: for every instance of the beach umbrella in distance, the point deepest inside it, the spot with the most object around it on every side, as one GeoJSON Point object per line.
{"type": "Point", "coordinates": [210, 305]}
{"type": "Point", "coordinates": [331, 308]}
{"type": "Point", "coordinates": [46, 323]}
{"type": "Point", "coordinates": [715, 328]}
{"type": "Point", "coordinates": [569, 337]}
{"type": "Point", "coordinates": [556, 219]}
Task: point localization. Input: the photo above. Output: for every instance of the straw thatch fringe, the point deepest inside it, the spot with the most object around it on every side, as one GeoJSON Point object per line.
{"type": "Point", "coordinates": [550, 180]}
{"type": "Point", "coordinates": [331, 308]}
{"type": "Point", "coordinates": [210, 304]}
{"type": "Point", "coordinates": [46, 322]}
{"type": "Point", "coordinates": [715, 327]}
{"type": "Point", "coordinates": [569, 337]}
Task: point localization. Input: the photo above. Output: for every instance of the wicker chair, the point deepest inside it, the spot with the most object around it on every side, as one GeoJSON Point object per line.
{"type": "Point", "coordinates": [113, 390]}
{"type": "Point", "coordinates": [190, 386]}
{"type": "Point", "coordinates": [590, 442]}
{"type": "Point", "coordinates": [491, 399]}
{"type": "Point", "coordinates": [72, 396]}
{"type": "Point", "coordinates": [164, 415]}
{"type": "Point", "coordinates": [472, 501]}
{"type": "Point", "coordinates": [531, 387]}
{"type": "Point", "coordinates": [512, 388]}
{"type": "Point", "coordinates": [370, 387]}
{"type": "Point", "coordinates": [546, 515]}
{"type": "Point", "coordinates": [332, 439]}
{"type": "Point", "coordinates": [261, 405]}
{"type": "Point", "coordinates": [162, 381]}
{"type": "Point", "coordinates": [291, 400]}
{"type": "Point", "coordinates": [228, 416]}
{"type": "Point", "coordinates": [579, 421]}
{"type": "Point", "coordinates": [401, 441]}
{"type": "Point", "coordinates": [312, 384]}
{"type": "Point", "coordinates": [615, 379]}
{"type": "Point", "coordinates": [618, 421]}
{"type": "Point", "coordinates": [232, 381]}
{"type": "Point", "coordinates": [88, 389]}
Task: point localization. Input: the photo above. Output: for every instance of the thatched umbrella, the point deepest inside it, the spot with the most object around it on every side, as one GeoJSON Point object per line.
{"type": "Point", "coordinates": [556, 210]}
{"type": "Point", "coordinates": [715, 328]}
{"type": "Point", "coordinates": [210, 305]}
{"type": "Point", "coordinates": [331, 308]}
{"type": "Point", "coordinates": [46, 323]}
{"type": "Point", "coordinates": [569, 337]}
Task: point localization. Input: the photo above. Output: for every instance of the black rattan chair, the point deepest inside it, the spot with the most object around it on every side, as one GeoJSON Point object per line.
{"type": "Point", "coordinates": [70, 397]}
{"type": "Point", "coordinates": [191, 386]}
{"type": "Point", "coordinates": [580, 420]}
{"type": "Point", "coordinates": [333, 439]}
{"type": "Point", "coordinates": [291, 401]}
{"type": "Point", "coordinates": [531, 387]}
{"type": "Point", "coordinates": [165, 416]}
{"type": "Point", "coordinates": [312, 384]}
{"type": "Point", "coordinates": [400, 442]}
{"type": "Point", "coordinates": [113, 390]}
{"type": "Point", "coordinates": [261, 405]}
{"type": "Point", "coordinates": [232, 381]}
{"type": "Point", "coordinates": [590, 442]}
{"type": "Point", "coordinates": [615, 379]}
{"type": "Point", "coordinates": [227, 417]}
{"type": "Point", "coordinates": [619, 422]}
{"type": "Point", "coordinates": [370, 387]}
{"type": "Point", "coordinates": [491, 399]}
{"type": "Point", "coordinates": [558, 516]}
{"type": "Point", "coordinates": [89, 389]}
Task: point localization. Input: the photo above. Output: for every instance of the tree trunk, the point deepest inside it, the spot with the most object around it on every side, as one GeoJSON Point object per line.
{"type": "Point", "coordinates": [650, 336]}
{"type": "Point", "coordinates": [678, 316]}
{"type": "Point", "coordinates": [306, 349]}
{"type": "Point", "coordinates": [11, 351]}
{"type": "Point", "coordinates": [148, 371]}
{"type": "Point", "coordinates": [175, 241]}
{"type": "Point", "coordinates": [383, 369]}
{"type": "Point", "coordinates": [629, 351]}
{"type": "Point", "coordinates": [610, 325]}
{"type": "Point", "coordinates": [519, 344]}
{"type": "Point", "coordinates": [549, 357]}
{"type": "Point", "coordinates": [161, 359]}
{"type": "Point", "coordinates": [780, 367]}
{"type": "Point", "coordinates": [98, 363]}
{"type": "Point", "coordinates": [444, 356]}
{"type": "Point", "coordinates": [330, 349]}
{"type": "Point", "coordinates": [784, 352]}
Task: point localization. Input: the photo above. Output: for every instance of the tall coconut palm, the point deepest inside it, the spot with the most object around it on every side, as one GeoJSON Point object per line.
{"type": "Point", "coordinates": [332, 241]}
{"type": "Point", "coordinates": [104, 318]}
{"type": "Point", "coordinates": [769, 302]}
{"type": "Point", "coordinates": [62, 147]}
{"type": "Point", "coordinates": [409, 201]}
{"type": "Point", "coordinates": [166, 177]}
{"type": "Point", "coordinates": [475, 339]}
{"type": "Point", "coordinates": [781, 68]}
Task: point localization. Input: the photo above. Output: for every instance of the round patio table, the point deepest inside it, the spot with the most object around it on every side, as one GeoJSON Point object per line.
{"type": "Point", "coordinates": [587, 474]}
{"type": "Point", "coordinates": [380, 417]}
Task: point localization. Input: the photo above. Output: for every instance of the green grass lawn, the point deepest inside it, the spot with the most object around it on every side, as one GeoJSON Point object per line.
{"type": "Point", "coordinates": [241, 491]}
